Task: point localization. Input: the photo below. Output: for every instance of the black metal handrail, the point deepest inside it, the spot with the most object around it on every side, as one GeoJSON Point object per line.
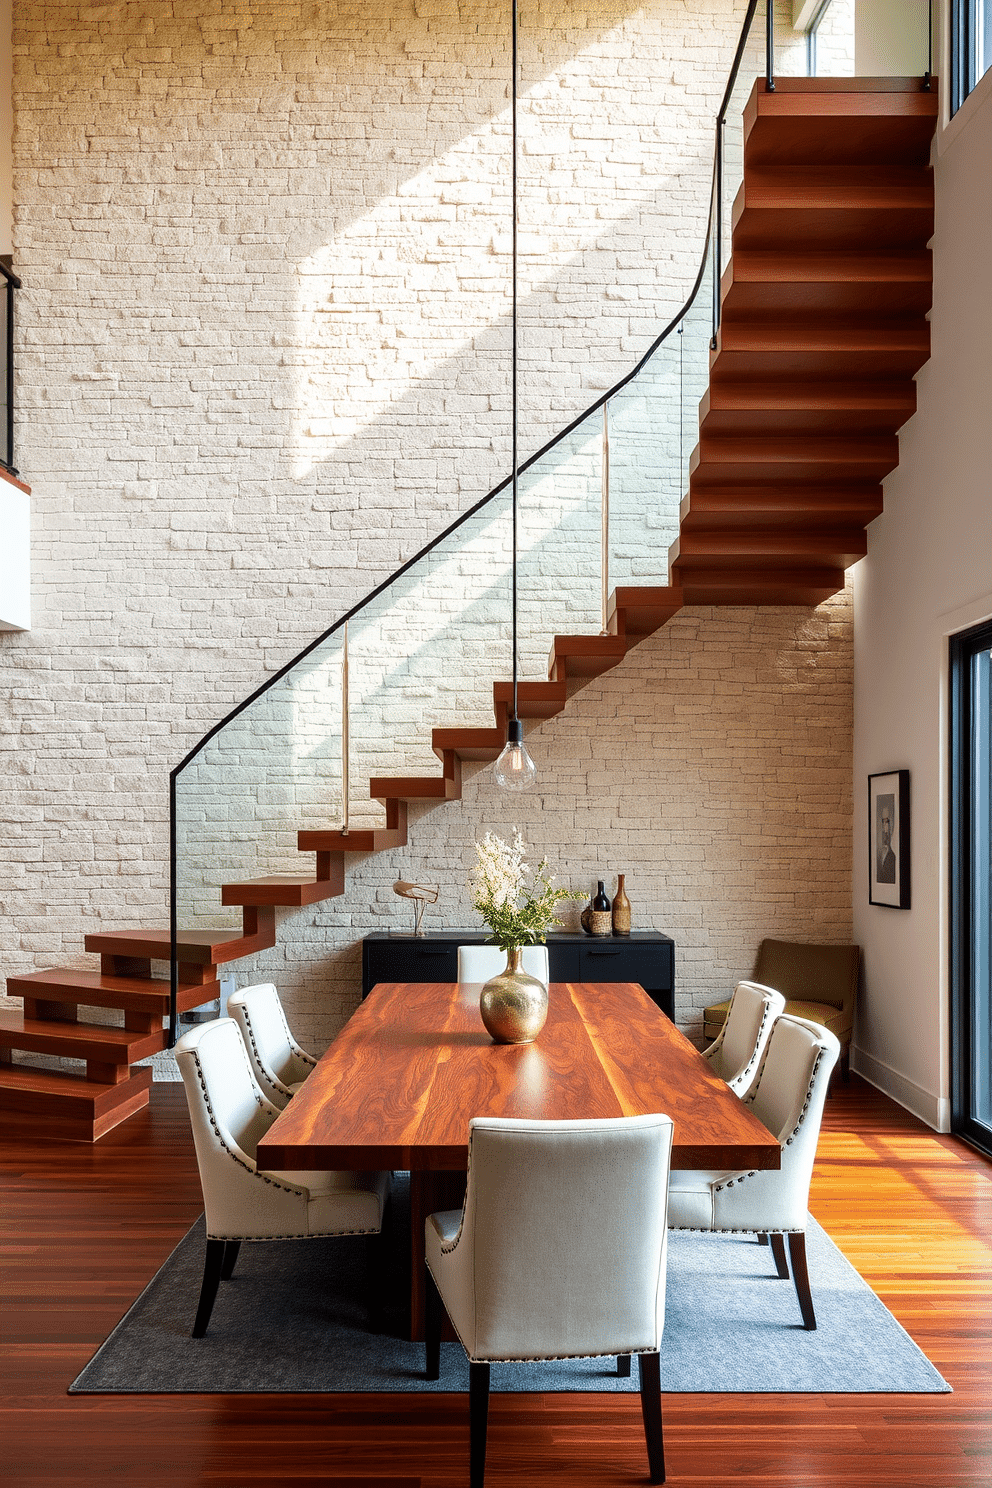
{"type": "Point", "coordinates": [714, 233]}
{"type": "Point", "coordinates": [11, 282]}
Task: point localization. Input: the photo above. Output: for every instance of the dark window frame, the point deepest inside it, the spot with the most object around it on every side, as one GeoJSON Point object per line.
{"type": "Point", "coordinates": [962, 649]}
{"type": "Point", "coordinates": [968, 17]}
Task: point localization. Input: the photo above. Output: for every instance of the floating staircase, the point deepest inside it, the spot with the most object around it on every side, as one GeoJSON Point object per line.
{"type": "Point", "coordinates": [823, 326]}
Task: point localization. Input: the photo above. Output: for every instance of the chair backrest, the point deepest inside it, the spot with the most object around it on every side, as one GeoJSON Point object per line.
{"type": "Point", "coordinates": [565, 1223]}
{"type": "Point", "coordinates": [810, 973]}
{"type": "Point", "coordinates": [477, 963]}
{"type": "Point", "coordinates": [276, 1058]}
{"type": "Point", "coordinates": [736, 1053]}
{"type": "Point", "coordinates": [787, 1097]}
{"type": "Point", "coordinates": [229, 1115]}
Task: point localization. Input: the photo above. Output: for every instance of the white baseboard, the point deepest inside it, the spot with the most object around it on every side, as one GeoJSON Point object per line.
{"type": "Point", "coordinates": [935, 1110]}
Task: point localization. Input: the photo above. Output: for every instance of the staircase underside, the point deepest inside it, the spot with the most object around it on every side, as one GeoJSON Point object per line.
{"type": "Point", "coordinates": [823, 328]}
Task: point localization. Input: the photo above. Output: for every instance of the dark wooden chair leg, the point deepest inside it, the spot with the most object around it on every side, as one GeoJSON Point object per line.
{"type": "Point", "coordinates": [231, 1248]}
{"type": "Point", "coordinates": [212, 1267]}
{"type": "Point", "coordinates": [778, 1251]}
{"type": "Point", "coordinates": [800, 1275]}
{"type": "Point", "coordinates": [478, 1398]}
{"type": "Point", "coordinates": [623, 1366]}
{"type": "Point", "coordinates": [650, 1368]}
{"type": "Point", "coordinates": [762, 1238]}
{"type": "Point", "coordinates": [433, 1317]}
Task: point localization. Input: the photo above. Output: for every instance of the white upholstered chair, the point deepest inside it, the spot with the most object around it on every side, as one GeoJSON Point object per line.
{"type": "Point", "coordinates": [229, 1115]}
{"type": "Point", "coordinates": [736, 1053]}
{"type": "Point", "coordinates": [559, 1252]}
{"type": "Point", "coordinates": [787, 1097]}
{"type": "Point", "coordinates": [477, 963]}
{"type": "Point", "coordinates": [279, 1063]}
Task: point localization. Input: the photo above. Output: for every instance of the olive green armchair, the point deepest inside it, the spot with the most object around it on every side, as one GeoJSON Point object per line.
{"type": "Point", "coordinates": [818, 982]}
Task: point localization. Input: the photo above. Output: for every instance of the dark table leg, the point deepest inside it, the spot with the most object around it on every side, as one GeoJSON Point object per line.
{"type": "Point", "coordinates": [429, 1193]}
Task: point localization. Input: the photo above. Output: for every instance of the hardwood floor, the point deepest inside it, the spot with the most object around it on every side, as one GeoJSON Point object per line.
{"type": "Point", "coordinates": [84, 1227]}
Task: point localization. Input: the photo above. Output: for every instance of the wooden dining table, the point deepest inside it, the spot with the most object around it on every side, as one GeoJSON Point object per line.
{"type": "Point", "coordinates": [400, 1083]}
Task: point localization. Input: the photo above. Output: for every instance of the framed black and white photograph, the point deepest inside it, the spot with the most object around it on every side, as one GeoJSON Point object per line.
{"type": "Point", "coordinates": [888, 839]}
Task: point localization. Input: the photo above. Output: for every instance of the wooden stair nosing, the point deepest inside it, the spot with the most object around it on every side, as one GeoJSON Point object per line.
{"type": "Point", "coordinates": [93, 989]}
{"type": "Point", "coordinates": [842, 397]}
{"type": "Point", "coordinates": [94, 1041]}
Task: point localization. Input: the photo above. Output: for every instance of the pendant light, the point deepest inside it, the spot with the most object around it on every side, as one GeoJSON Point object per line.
{"type": "Point", "coordinates": [514, 770]}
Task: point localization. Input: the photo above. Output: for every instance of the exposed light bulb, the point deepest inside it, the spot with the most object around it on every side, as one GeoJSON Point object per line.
{"type": "Point", "coordinates": [515, 770]}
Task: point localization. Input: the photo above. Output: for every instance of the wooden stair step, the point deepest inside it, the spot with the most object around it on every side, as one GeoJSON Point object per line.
{"type": "Point", "coordinates": [730, 586]}
{"type": "Point", "coordinates": [285, 889]}
{"type": "Point", "coordinates": [207, 947]}
{"type": "Point", "coordinates": [814, 122]}
{"type": "Point", "coordinates": [801, 505]}
{"type": "Point", "coordinates": [92, 989]}
{"type": "Point", "coordinates": [818, 409]}
{"type": "Point", "coordinates": [841, 227]}
{"type": "Point", "coordinates": [534, 699]}
{"type": "Point", "coordinates": [582, 657]}
{"type": "Point", "coordinates": [768, 282]}
{"type": "Point", "coordinates": [638, 611]}
{"type": "Point", "coordinates": [469, 743]}
{"type": "Point", "coordinates": [747, 547]}
{"type": "Point", "coordinates": [67, 1106]}
{"type": "Point", "coordinates": [91, 1041]}
{"type": "Point", "coordinates": [444, 787]}
{"type": "Point", "coordinates": [361, 839]}
{"type": "Point", "coordinates": [783, 449]}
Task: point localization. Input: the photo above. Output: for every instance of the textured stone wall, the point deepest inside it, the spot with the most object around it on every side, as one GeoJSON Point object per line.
{"type": "Point", "coordinates": [262, 358]}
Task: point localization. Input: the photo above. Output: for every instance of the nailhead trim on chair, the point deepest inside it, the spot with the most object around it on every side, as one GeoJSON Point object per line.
{"type": "Point", "coordinates": [754, 1053]}
{"type": "Point", "coordinates": [742, 1177]}
{"type": "Point", "coordinates": [272, 1182]}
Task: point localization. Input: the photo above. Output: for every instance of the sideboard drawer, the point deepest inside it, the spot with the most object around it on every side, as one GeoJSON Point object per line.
{"type": "Point", "coordinates": [614, 961]}
{"type": "Point", "coordinates": [403, 961]}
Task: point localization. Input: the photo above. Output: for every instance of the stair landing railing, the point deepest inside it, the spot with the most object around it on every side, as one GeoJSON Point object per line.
{"type": "Point", "coordinates": [10, 284]}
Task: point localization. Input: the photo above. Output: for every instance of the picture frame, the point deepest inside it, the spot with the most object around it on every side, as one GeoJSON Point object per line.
{"type": "Point", "coordinates": [888, 840]}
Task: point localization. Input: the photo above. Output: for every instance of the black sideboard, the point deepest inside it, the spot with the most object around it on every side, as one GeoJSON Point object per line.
{"type": "Point", "coordinates": [644, 956]}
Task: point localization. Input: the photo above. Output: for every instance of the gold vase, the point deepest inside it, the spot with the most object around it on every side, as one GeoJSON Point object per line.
{"type": "Point", "coordinates": [513, 1005]}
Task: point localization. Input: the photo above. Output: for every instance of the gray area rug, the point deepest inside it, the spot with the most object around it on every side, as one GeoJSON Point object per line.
{"type": "Point", "coordinates": [294, 1318]}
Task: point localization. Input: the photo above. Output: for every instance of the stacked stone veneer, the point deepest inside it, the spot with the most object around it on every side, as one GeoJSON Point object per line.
{"type": "Point", "coordinates": [262, 358]}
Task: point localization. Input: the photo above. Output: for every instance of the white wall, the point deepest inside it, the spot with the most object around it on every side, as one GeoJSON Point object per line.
{"type": "Point", "coordinates": [890, 38]}
{"type": "Point", "coordinates": [928, 572]}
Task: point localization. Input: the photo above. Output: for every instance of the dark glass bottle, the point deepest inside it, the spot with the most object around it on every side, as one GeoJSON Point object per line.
{"type": "Point", "coordinates": [602, 914]}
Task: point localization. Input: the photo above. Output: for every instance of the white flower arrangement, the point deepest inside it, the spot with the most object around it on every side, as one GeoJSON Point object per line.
{"type": "Point", "coordinates": [516, 916]}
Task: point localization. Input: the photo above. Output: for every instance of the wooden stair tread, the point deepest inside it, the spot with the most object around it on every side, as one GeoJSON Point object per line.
{"type": "Point", "coordinates": [22, 1087]}
{"type": "Point", "coordinates": [583, 657]}
{"type": "Point", "coordinates": [534, 699]}
{"type": "Point", "coordinates": [76, 1040]}
{"type": "Point", "coordinates": [751, 547]}
{"type": "Point", "coordinates": [735, 586]}
{"type": "Point", "coordinates": [414, 788]}
{"type": "Point", "coordinates": [358, 839]}
{"type": "Point", "coordinates": [716, 506]}
{"type": "Point", "coordinates": [637, 611]}
{"type": "Point", "coordinates": [284, 889]}
{"type": "Point", "coordinates": [469, 743]}
{"type": "Point", "coordinates": [93, 989]}
{"type": "Point", "coordinates": [208, 947]}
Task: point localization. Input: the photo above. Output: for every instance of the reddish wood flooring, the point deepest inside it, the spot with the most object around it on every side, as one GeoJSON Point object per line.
{"type": "Point", "coordinates": [85, 1227]}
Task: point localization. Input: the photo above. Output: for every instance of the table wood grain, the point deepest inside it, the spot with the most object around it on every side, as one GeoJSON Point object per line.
{"type": "Point", "coordinates": [399, 1085]}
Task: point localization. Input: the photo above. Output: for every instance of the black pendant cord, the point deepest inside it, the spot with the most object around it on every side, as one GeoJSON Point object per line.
{"type": "Point", "coordinates": [513, 329]}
